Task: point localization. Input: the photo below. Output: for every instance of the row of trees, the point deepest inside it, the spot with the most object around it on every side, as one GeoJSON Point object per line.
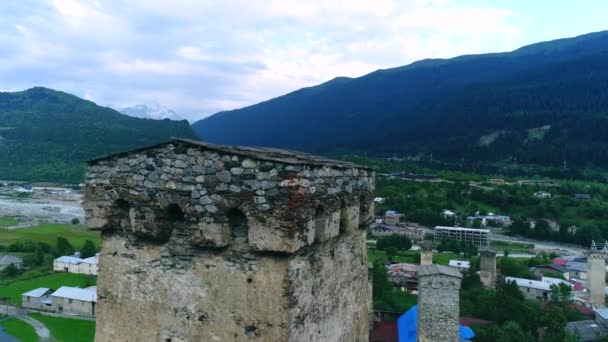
{"type": "Point", "coordinates": [40, 254]}
{"type": "Point", "coordinates": [514, 318]}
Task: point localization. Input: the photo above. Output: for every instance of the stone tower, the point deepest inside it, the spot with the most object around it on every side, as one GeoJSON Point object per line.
{"type": "Point", "coordinates": [438, 304]}
{"type": "Point", "coordinates": [487, 269]}
{"type": "Point", "coordinates": [426, 253]}
{"type": "Point", "coordinates": [596, 277]}
{"type": "Point", "coordinates": [205, 242]}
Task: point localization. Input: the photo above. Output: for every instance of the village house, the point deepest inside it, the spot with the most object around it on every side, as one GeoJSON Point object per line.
{"type": "Point", "coordinates": [532, 289]}
{"type": "Point", "coordinates": [582, 196]}
{"type": "Point", "coordinates": [463, 265]}
{"type": "Point", "coordinates": [74, 264]}
{"type": "Point", "coordinates": [66, 300]}
{"type": "Point", "coordinates": [542, 194]}
{"type": "Point", "coordinates": [413, 233]}
{"type": "Point", "coordinates": [561, 269]}
{"type": "Point", "coordinates": [590, 330]}
{"type": "Point", "coordinates": [404, 275]}
{"type": "Point", "coordinates": [497, 181]}
{"type": "Point", "coordinates": [448, 214]}
{"type": "Point", "coordinates": [7, 260]}
{"type": "Point", "coordinates": [490, 220]}
{"type": "Point", "coordinates": [38, 299]}
{"type": "Point", "coordinates": [391, 217]}
{"type": "Point", "coordinates": [379, 200]}
{"type": "Point", "coordinates": [75, 301]}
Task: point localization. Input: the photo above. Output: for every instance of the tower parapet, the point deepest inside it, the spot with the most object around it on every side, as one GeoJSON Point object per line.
{"type": "Point", "coordinates": [204, 242]}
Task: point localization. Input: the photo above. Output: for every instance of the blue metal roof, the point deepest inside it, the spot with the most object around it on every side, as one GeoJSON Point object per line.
{"type": "Point", "coordinates": [407, 327]}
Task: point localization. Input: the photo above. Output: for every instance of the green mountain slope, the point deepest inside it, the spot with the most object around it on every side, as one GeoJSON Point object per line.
{"type": "Point", "coordinates": [46, 135]}
{"type": "Point", "coordinates": [543, 103]}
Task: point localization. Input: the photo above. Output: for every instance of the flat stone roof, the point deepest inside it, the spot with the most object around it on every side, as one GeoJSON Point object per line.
{"type": "Point", "coordinates": [260, 153]}
{"type": "Point", "coordinates": [439, 269]}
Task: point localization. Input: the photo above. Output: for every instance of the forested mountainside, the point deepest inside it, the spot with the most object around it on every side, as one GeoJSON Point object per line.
{"type": "Point", "coordinates": [543, 103]}
{"type": "Point", "coordinates": [46, 135]}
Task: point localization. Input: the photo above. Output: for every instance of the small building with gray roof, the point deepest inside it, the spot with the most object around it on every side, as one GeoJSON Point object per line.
{"type": "Point", "coordinates": [6, 260]}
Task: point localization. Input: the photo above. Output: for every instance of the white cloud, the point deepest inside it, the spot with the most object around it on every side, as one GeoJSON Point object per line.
{"type": "Point", "coordinates": [200, 57]}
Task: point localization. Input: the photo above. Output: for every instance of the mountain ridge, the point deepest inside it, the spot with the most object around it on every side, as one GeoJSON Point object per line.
{"type": "Point", "coordinates": [46, 135]}
{"type": "Point", "coordinates": [399, 110]}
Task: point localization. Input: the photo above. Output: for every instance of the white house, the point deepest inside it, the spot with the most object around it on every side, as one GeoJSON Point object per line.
{"type": "Point", "coordinates": [75, 301]}
{"type": "Point", "coordinates": [461, 264]}
{"type": "Point", "coordinates": [7, 260]}
{"type": "Point", "coordinates": [532, 289]}
{"type": "Point", "coordinates": [39, 299]}
{"type": "Point", "coordinates": [379, 200]}
{"type": "Point", "coordinates": [446, 213]}
{"type": "Point", "coordinates": [542, 194]}
{"type": "Point", "coordinates": [74, 264]}
{"type": "Point", "coordinates": [66, 300]}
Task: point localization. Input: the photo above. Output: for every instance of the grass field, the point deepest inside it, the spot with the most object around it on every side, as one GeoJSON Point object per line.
{"type": "Point", "coordinates": [412, 256]}
{"type": "Point", "coordinates": [54, 281]}
{"type": "Point", "coordinates": [20, 330]}
{"type": "Point", "coordinates": [7, 221]}
{"type": "Point", "coordinates": [67, 329]}
{"type": "Point", "coordinates": [512, 247]}
{"type": "Point", "coordinates": [48, 233]}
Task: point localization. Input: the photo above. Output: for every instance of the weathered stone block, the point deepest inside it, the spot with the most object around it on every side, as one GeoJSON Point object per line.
{"type": "Point", "coordinates": [210, 234]}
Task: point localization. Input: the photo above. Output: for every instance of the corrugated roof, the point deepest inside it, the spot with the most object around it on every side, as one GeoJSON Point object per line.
{"type": "Point", "coordinates": [69, 260]}
{"type": "Point", "coordinates": [438, 269]}
{"type": "Point", "coordinates": [91, 260]}
{"type": "Point", "coordinates": [460, 263]}
{"type": "Point", "coordinates": [87, 295]}
{"type": "Point", "coordinates": [260, 153]}
{"type": "Point", "coordinates": [37, 293]}
{"type": "Point", "coordinates": [9, 259]}
{"type": "Point", "coordinates": [533, 284]}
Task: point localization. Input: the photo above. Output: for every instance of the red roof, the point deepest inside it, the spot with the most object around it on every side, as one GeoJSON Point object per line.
{"type": "Point", "coordinates": [384, 331]}
{"type": "Point", "coordinates": [582, 309]}
{"type": "Point", "coordinates": [559, 261]}
{"type": "Point", "coordinates": [468, 321]}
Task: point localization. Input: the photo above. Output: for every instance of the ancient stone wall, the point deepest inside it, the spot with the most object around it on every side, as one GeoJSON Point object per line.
{"type": "Point", "coordinates": [213, 243]}
{"type": "Point", "coordinates": [438, 306]}
{"type": "Point", "coordinates": [596, 275]}
{"type": "Point", "coordinates": [487, 269]}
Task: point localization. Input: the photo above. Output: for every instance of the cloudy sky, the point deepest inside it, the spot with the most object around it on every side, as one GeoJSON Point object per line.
{"type": "Point", "coordinates": [199, 57]}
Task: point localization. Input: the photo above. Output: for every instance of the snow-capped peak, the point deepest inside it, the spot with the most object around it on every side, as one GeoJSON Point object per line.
{"type": "Point", "coordinates": [153, 111]}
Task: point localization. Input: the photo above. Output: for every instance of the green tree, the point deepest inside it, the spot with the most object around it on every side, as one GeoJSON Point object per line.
{"type": "Point", "coordinates": [88, 249]}
{"type": "Point", "coordinates": [64, 247]}
{"type": "Point", "coordinates": [10, 271]}
{"type": "Point", "coordinates": [511, 331]}
{"type": "Point", "coordinates": [38, 256]}
{"type": "Point", "coordinates": [556, 325]}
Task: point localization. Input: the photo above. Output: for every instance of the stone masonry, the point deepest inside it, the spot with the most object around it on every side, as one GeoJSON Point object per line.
{"type": "Point", "coordinates": [596, 275]}
{"type": "Point", "coordinates": [487, 269]}
{"type": "Point", "coordinates": [438, 303]}
{"type": "Point", "coordinates": [204, 242]}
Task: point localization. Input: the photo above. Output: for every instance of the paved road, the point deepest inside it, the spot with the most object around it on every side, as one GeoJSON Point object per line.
{"type": "Point", "coordinates": [568, 248]}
